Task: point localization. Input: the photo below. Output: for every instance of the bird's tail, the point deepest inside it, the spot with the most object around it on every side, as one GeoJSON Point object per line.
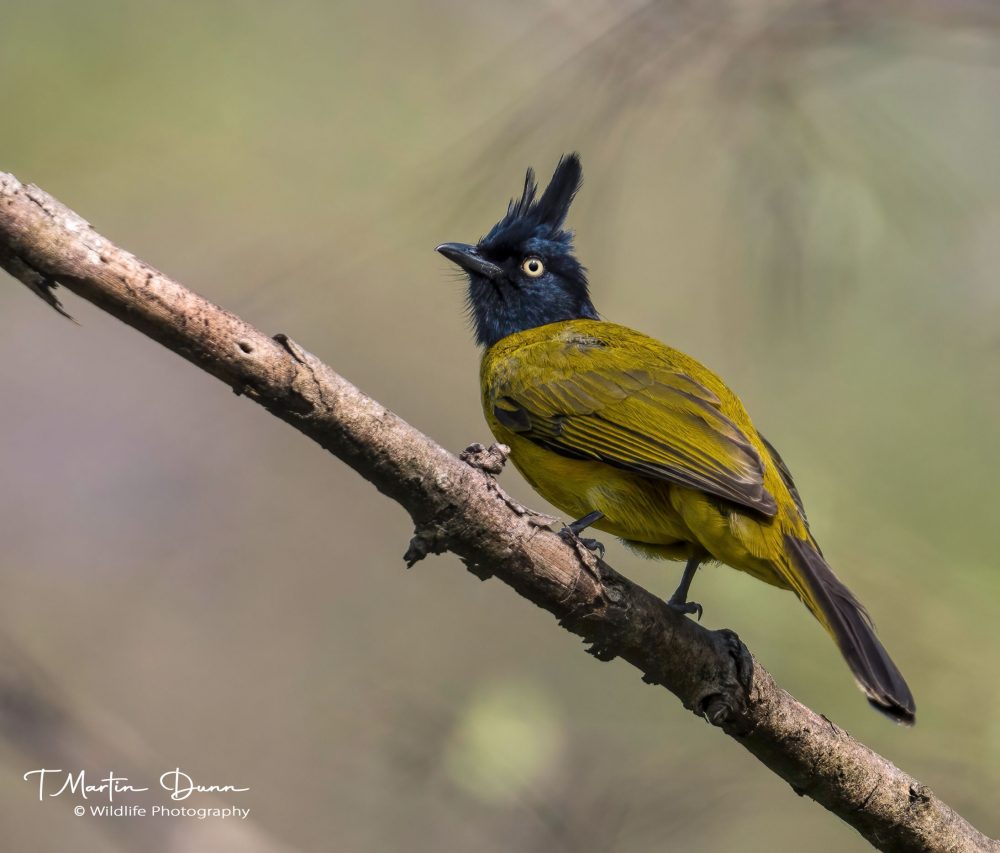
{"type": "Point", "coordinates": [835, 606]}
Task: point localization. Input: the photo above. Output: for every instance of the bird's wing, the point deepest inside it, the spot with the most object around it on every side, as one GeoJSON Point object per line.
{"type": "Point", "coordinates": [656, 422]}
{"type": "Point", "coordinates": [786, 476]}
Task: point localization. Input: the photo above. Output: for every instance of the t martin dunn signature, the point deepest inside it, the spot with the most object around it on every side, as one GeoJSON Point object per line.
{"type": "Point", "coordinates": [176, 781]}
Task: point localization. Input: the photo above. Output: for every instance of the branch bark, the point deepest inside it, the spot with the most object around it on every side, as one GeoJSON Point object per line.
{"type": "Point", "coordinates": [457, 506]}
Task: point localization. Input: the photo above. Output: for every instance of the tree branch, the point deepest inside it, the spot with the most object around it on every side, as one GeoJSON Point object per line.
{"type": "Point", "coordinates": [457, 506]}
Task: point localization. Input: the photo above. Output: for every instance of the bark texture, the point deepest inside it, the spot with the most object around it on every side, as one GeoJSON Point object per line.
{"type": "Point", "coordinates": [457, 506]}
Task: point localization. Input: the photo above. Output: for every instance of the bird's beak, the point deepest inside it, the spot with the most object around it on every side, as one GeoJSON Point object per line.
{"type": "Point", "coordinates": [469, 259]}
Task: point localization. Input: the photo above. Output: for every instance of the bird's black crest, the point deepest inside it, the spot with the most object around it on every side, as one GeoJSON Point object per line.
{"type": "Point", "coordinates": [540, 218]}
{"type": "Point", "coordinates": [505, 296]}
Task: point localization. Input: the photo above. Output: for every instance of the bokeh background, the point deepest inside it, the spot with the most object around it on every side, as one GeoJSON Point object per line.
{"type": "Point", "coordinates": [804, 195]}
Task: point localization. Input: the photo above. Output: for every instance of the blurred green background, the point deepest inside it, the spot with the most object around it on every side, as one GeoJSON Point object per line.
{"type": "Point", "coordinates": [803, 195]}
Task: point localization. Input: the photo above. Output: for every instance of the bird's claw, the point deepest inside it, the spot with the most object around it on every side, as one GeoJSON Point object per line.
{"type": "Point", "coordinates": [592, 545]}
{"type": "Point", "coordinates": [686, 607]}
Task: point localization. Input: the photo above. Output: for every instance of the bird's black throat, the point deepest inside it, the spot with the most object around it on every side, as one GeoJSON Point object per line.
{"type": "Point", "coordinates": [501, 308]}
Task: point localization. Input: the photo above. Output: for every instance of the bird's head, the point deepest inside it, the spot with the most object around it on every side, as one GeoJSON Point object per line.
{"type": "Point", "coordinates": [523, 273]}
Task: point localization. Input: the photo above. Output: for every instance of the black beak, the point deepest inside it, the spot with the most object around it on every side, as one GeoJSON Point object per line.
{"type": "Point", "coordinates": [469, 259]}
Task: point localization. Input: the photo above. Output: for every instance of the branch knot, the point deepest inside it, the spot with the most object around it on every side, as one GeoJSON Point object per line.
{"type": "Point", "coordinates": [490, 460]}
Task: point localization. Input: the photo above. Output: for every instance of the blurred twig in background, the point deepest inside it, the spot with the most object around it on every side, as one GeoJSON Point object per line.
{"type": "Point", "coordinates": [751, 70]}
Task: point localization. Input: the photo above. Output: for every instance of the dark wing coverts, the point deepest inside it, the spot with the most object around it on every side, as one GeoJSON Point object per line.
{"type": "Point", "coordinates": [658, 423]}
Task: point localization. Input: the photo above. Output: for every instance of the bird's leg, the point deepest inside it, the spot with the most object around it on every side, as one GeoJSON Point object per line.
{"type": "Point", "coordinates": [679, 600]}
{"type": "Point", "coordinates": [581, 524]}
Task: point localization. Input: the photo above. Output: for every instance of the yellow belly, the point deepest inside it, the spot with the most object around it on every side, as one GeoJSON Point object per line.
{"type": "Point", "coordinates": [654, 517]}
{"type": "Point", "coordinates": [634, 508]}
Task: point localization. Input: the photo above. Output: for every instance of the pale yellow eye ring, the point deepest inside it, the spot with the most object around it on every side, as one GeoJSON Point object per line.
{"type": "Point", "coordinates": [533, 267]}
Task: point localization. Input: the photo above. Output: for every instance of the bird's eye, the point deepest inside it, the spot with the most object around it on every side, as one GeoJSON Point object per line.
{"type": "Point", "coordinates": [533, 267]}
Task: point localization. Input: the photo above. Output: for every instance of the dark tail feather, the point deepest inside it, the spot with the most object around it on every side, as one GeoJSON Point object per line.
{"type": "Point", "coordinates": [847, 620]}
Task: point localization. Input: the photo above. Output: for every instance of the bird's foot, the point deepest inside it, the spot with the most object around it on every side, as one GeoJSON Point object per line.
{"type": "Point", "coordinates": [679, 600]}
{"type": "Point", "coordinates": [685, 607]}
{"type": "Point", "coordinates": [595, 546]}
{"type": "Point", "coordinates": [572, 533]}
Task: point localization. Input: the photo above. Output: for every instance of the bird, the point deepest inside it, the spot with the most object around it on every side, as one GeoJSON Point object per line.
{"type": "Point", "coordinates": [636, 439]}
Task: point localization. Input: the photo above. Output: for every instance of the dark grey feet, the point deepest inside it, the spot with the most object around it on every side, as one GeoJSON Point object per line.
{"type": "Point", "coordinates": [679, 600]}
{"type": "Point", "coordinates": [577, 527]}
